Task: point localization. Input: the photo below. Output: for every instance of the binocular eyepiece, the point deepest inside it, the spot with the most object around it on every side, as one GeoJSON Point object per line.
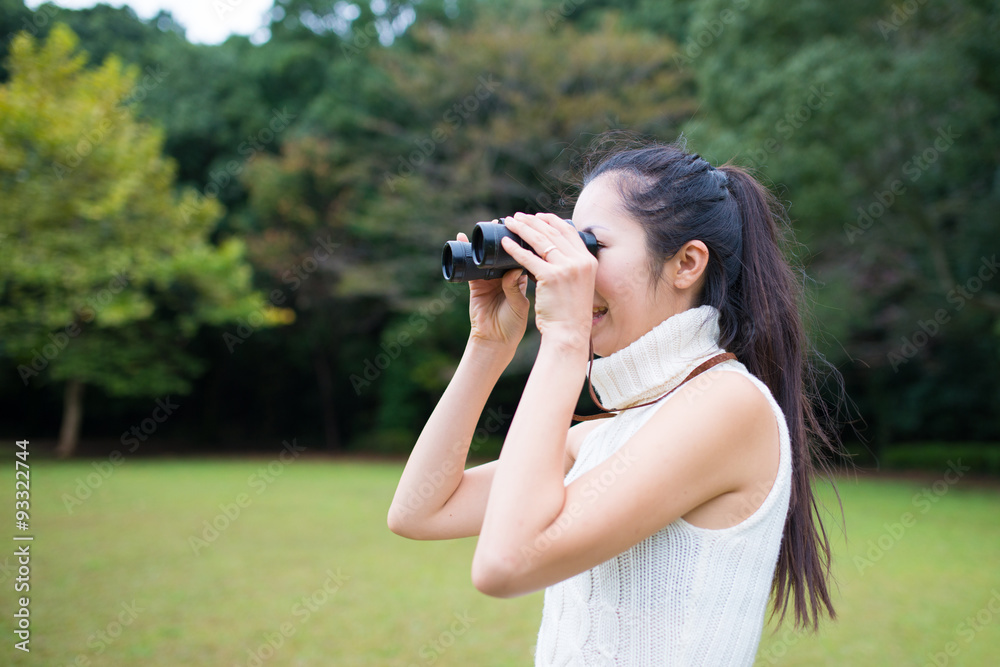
{"type": "Point", "coordinates": [484, 258]}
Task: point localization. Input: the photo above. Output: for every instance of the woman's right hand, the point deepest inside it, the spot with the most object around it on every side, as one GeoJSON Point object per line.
{"type": "Point", "coordinates": [498, 309]}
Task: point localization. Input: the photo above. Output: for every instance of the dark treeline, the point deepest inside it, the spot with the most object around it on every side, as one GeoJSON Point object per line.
{"type": "Point", "coordinates": [349, 141]}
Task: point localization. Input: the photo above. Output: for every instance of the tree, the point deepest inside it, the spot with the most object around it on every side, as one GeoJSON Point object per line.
{"type": "Point", "coordinates": [105, 270]}
{"type": "Point", "coordinates": [880, 122]}
{"type": "Point", "coordinates": [497, 117]}
{"type": "Point", "coordinates": [455, 125]}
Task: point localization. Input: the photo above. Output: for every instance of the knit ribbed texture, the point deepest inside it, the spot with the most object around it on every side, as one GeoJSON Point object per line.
{"type": "Point", "coordinates": [686, 595]}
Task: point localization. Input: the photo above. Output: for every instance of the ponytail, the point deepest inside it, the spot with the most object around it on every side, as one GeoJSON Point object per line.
{"type": "Point", "coordinates": [678, 197]}
{"type": "Point", "coordinates": [765, 331]}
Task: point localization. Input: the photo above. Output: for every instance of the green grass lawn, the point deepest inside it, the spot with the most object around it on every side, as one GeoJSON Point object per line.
{"type": "Point", "coordinates": [308, 574]}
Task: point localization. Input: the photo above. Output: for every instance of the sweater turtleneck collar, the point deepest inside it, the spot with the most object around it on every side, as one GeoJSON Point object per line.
{"type": "Point", "coordinates": [659, 360]}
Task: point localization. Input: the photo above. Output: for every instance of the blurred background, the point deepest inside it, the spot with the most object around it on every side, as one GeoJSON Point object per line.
{"type": "Point", "coordinates": [218, 252]}
{"type": "Point", "coordinates": [254, 227]}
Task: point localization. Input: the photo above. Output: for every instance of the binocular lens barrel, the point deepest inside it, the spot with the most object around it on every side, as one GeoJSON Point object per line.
{"type": "Point", "coordinates": [487, 249]}
{"type": "Point", "coordinates": [458, 267]}
{"type": "Point", "coordinates": [484, 258]}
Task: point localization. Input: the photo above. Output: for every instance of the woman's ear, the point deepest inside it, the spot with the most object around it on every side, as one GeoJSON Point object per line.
{"type": "Point", "coordinates": [687, 266]}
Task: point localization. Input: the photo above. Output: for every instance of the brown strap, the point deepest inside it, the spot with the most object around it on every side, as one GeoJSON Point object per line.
{"type": "Point", "coordinates": [611, 412]}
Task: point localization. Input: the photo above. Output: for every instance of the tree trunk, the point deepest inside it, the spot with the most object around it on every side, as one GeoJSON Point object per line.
{"type": "Point", "coordinates": [325, 381]}
{"type": "Point", "coordinates": [69, 433]}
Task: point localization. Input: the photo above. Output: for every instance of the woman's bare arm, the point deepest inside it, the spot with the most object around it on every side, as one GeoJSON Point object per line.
{"type": "Point", "coordinates": [436, 497]}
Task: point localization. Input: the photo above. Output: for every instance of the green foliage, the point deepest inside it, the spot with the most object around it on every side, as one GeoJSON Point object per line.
{"type": "Point", "coordinates": [360, 136]}
{"type": "Point", "coordinates": [879, 123]}
{"type": "Point", "coordinates": [501, 110]}
{"type": "Point", "coordinates": [497, 116]}
{"type": "Point", "coordinates": [415, 143]}
{"type": "Point", "coordinates": [982, 457]}
{"type": "Point", "coordinates": [101, 257]}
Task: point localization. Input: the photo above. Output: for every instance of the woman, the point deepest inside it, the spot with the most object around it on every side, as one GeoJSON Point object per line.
{"type": "Point", "coordinates": [659, 534]}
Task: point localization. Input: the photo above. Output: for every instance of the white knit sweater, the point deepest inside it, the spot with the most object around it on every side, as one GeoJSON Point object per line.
{"type": "Point", "coordinates": [686, 595]}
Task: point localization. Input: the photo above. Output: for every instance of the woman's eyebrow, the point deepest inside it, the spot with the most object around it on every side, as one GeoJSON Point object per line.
{"type": "Point", "coordinates": [591, 228]}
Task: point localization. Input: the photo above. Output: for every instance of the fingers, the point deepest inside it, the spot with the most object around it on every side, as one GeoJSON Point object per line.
{"type": "Point", "coordinates": [462, 237]}
{"type": "Point", "coordinates": [529, 260]}
{"type": "Point", "coordinates": [560, 225]}
{"type": "Point", "coordinates": [548, 235]}
{"type": "Point", "coordinates": [536, 232]}
{"type": "Point", "coordinates": [515, 283]}
{"type": "Point", "coordinates": [550, 230]}
{"type": "Point", "coordinates": [544, 233]}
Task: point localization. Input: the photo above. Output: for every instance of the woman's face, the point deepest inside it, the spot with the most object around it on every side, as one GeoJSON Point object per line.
{"type": "Point", "coordinates": [626, 305]}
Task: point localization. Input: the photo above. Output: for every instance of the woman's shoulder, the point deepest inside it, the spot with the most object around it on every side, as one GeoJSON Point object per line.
{"type": "Point", "coordinates": [730, 387]}
{"type": "Point", "coordinates": [731, 422]}
{"type": "Point", "coordinates": [725, 411]}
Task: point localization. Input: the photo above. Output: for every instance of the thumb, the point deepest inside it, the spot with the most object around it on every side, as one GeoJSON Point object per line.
{"type": "Point", "coordinates": [522, 284]}
{"type": "Point", "coordinates": [515, 285]}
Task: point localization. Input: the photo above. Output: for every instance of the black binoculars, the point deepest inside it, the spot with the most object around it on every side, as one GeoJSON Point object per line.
{"type": "Point", "coordinates": [484, 258]}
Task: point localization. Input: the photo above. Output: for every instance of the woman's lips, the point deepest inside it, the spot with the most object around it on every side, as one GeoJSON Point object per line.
{"type": "Point", "coordinates": [598, 314]}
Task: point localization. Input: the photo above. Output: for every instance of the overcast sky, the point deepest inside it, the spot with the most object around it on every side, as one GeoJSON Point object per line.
{"type": "Point", "coordinates": [206, 21]}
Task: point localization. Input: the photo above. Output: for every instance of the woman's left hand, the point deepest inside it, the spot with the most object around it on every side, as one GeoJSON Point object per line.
{"type": "Point", "coordinates": [565, 272]}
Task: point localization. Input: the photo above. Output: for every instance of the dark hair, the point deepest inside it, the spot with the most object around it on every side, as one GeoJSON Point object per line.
{"type": "Point", "coordinates": [678, 197]}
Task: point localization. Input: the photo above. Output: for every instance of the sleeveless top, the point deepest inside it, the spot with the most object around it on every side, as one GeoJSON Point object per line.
{"type": "Point", "coordinates": [685, 595]}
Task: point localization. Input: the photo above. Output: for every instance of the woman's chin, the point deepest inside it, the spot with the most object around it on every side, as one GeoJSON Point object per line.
{"type": "Point", "coordinates": [601, 347]}
{"type": "Point", "coordinates": [604, 337]}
